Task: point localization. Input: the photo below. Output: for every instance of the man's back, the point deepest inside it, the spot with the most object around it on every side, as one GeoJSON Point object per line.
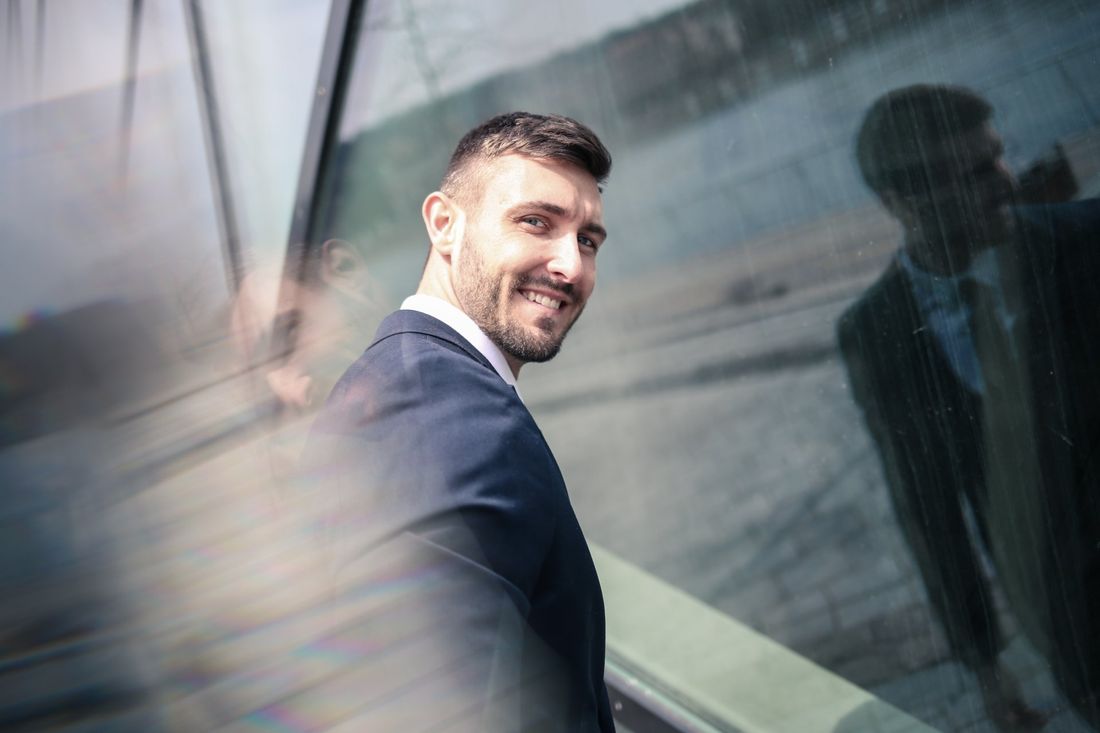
{"type": "Point", "coordinates": [437, 465]}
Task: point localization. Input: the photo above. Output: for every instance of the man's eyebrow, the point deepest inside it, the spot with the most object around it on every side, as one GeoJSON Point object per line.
{"type": "Point", "coordinates": [594, 228]}
{"type": "Point", "coordinates": [544, 206]}
{"type": "Point", "coordinates": [551, 208]}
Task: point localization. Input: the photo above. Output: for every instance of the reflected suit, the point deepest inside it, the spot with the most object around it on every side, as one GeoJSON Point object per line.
{"type": "Point", "coordinates": [934, 438]}
{"type": "Point", "coordinates": [452, 509]}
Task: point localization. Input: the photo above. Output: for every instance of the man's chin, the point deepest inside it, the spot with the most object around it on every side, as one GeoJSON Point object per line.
{"type": "Point", "coordinates": [534, 346]}
{"type": "Point", "coordinates": [535, 353]}
{"type": "Point", "coordinates": [543, 355]}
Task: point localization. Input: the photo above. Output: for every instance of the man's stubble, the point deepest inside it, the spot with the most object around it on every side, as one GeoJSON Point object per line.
{"type": "Point", "coordinates": [480, 293]}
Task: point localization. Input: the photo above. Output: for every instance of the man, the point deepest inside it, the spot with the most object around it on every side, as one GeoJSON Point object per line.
{"type": "Point", "coordinates": [971, 359]}
{"type": "Point", "coordinates": [441, 476]}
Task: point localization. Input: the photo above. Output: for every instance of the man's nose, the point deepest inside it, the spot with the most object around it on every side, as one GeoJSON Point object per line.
{"type": "Point", "coordinates": [1008, 178]}
{"type": "Point", "coordinates": [1000, 183]}
{"type": "Point", "coordinates": [565, 260]}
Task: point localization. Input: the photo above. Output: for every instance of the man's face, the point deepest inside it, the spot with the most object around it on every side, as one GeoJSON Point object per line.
{"type": "Point", "coordinates": [964, 191]}
{"type": "Point", "coordinates": [527, 261]}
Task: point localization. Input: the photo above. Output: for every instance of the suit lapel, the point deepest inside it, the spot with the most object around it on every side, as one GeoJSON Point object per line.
{"type": "Point", "coordinates": [916, 343]}
{"type": "Point", "coordinates": [1040, 331]}
{"type": "Point", "coordinates": [922, 380]}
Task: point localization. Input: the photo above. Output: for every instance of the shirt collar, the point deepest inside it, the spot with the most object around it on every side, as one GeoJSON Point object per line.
{"type": "Point", "coordinates": [984, 268]}
{"type": "Point", "coordinates": [455, 318]}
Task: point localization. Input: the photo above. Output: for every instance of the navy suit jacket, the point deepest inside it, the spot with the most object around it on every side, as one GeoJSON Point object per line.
{"type": "Point", "coordinates": [453, 516]}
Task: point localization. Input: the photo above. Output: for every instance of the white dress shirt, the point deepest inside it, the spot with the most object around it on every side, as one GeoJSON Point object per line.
{"type": "Point", "coordinates": [948, 318]}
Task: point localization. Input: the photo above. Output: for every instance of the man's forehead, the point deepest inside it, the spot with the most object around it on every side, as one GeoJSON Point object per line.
{"type": "Point", "coordinates": [528, 163]}
{"type": "Point", "coordinates": [515, 176]}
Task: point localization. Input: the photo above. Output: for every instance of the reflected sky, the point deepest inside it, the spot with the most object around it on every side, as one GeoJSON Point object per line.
{"type": "Point", "coordinates": [476, 41]}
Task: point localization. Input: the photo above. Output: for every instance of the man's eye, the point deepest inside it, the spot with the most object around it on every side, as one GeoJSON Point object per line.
{"type": "Point", "coordinates": [587, 242]}
{"type": "Point", "coordinates": [534, 221]}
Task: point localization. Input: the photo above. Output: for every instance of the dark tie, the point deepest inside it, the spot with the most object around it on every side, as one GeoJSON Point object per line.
{"type": "Point", "coordinates": [1014, 496]}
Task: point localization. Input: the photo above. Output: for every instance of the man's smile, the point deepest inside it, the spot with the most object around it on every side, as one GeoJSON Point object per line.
{"type": "Point", "coordinates": [542, 299]}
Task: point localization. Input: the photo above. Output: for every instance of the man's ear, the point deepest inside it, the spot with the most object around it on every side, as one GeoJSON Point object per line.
{"type": "Point", "coordinates": [342, 266]}
{"type": "Point", "coordinates": [444, 220]}
{"type": "Point", "coordinates": [900, 207]}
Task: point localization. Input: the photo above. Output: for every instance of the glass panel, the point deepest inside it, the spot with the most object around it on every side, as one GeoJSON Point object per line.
{"type": "Point", "coordinates": [262, 94]}
{"type": "Point", "coordinates": [113, 260]}
{"type": "Point", "coordinates": [710, 428]}
{"type": "Point", "coordinates": [112, 272]}
{"type": "Point", "coordinates": [118, 372]}
{"type": "Point", "coordinates": [126, 178]}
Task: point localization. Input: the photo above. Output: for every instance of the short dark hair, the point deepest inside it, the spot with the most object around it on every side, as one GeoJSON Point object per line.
{"type": "Point", "coordinates": [553, 137]}
{"type": "Point", "coordinates": [902, 125]}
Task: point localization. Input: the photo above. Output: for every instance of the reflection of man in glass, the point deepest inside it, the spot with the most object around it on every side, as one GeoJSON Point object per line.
{"type": "Point", "coordinates": [453, 509]}
{"type": "Point", "coordinates": [973, 359]}
{"type": "Point", "coordinates": [323, 318]}
{"type": "Point", "coordinates": [300, 333]}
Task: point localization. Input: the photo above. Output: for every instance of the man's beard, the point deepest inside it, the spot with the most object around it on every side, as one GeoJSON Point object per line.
{"type": "Point", "coordinates": [480, 295]}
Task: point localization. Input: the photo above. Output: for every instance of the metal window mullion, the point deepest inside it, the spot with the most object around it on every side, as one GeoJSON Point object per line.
{"type": "Point", "coordinates": [215, 142]}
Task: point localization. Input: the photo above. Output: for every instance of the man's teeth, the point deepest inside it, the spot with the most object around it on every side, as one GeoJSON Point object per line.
{"type": "Point", "coordinates": [542, 300]}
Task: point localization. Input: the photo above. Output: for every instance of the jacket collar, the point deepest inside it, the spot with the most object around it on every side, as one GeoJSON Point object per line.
{"type": "Point", "coordinates": [458, 320]}
{"type": "Point", "coordinates": [410, 321]}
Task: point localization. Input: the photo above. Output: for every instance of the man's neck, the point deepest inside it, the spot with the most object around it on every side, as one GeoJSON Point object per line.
{"type": "Point", "coordinates": [441, 288]}
{"type": "Point", "coordinates": [460, 321]}
{"type": "Point", "coordinates": [942, 257]}
{"type": "Point", "coordinates": [948, 254]}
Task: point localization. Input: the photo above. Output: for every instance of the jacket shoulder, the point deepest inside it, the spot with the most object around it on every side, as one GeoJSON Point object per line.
{"type": "Point", "coordinates": [444, 447]}
{"type": "Point", "coordinates": [875, 308]}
